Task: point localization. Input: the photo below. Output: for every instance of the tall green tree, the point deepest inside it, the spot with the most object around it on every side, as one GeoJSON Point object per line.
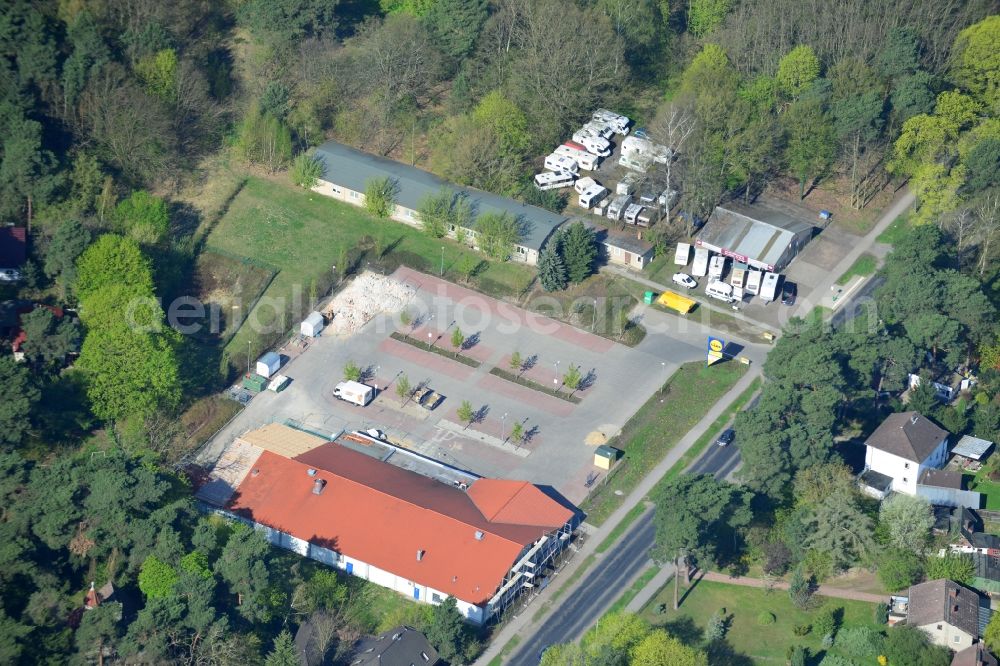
{"type": "Point", "coordinates": [797, 69]}
{"type": "Point", "coordinates": [446, 631]}
{"type": "Point", "coordinates": [705, 15]}
{"type": "Point", "coordinates": [144, 217]}
{"type": "Point", "coordinates": [578, 247]}
{"type": "Point", "coordinates": [18, 396]}
{"type": "Point", "coordinates": [810, 141]}
{"type": "Point", "coordinates": [68, 242]}
{"type": "Point", "coordinates": [455, 24]}
{"type": "Point", "coordinates": [113, 260]}
{"type": "Point", "coordinates": [551, 270]}
{"type": "Point", "coordinates": [284, 653]}
{"type": "Point", "coordinates": [497, 234]}
{"type": "Point", "coordinates": [47, 340]}
{"type": "Point", "coordinates": [280, 24]}
{"type": "Point", "coordinates": [976, 63]}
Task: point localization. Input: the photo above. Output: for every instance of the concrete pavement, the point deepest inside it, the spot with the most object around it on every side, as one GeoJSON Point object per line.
{"type": "Point", "coordinates": [587, 595]}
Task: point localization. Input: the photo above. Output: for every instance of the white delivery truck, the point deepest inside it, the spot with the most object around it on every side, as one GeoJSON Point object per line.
{"type": "Point", "coordinates": [594, 143]}
{"type": "Point", "coordinates": [769, 287]}
{"type": "Point", "coordinates": [717, 267]}
{"type": "Point", "coordinates": [632, 211]}
{"type": "Point", "coordinates": [617, 207]}
{"type": "Point", "coordinates": [700, 266]}
{"type": "Point", "coordinates": [548, 180]}
{"type": "Point", "coordinates": [587, 161]}
{"type": "Point", "coordinates": [354, 392]}
{"type": "Point", "coordinates": [683, 254]}
{"type": "Point", "coordinates": [619, 122]}
{"type": "Point", "coordinates": [559, 163]}
{"type": "Point", "coordinates": [753, 281]}
{"type": "Point", "coordinates": [720, 290]}
{"type": "Point", "coordinates": [592, 196]}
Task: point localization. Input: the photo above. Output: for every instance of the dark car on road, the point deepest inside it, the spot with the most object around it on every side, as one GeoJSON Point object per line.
{"type": "Point", "coordinates": [726, 438]}
{"type": "Point", "coordinates": [788, 292]}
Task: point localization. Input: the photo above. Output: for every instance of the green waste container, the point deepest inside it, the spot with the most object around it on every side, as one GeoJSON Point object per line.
{"type": "Point", "coordinates": [648, 298]}
{"type": "Point", "coordinates": [254, 383]}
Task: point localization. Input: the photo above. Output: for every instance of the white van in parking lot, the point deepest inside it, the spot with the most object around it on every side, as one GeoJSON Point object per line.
{"type": "Point", "coordinates": [720, 291]}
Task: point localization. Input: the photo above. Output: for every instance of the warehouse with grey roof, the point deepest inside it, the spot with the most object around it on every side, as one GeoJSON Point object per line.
{"type": "Point", "coordinates": [761, 235]}
{"type": "Point", "coordinates": [347, 172]}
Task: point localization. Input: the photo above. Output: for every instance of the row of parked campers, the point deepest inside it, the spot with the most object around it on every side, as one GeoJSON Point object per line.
{"type": "Point", "coordinates": [589, 145]}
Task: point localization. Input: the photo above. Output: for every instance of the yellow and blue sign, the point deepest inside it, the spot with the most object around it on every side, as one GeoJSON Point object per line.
{"type": "Point", "coordinates": [715, 349]}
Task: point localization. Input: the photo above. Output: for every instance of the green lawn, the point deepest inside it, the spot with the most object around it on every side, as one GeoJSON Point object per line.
{"type": "Point", "coordinates": [303, 235]}
{"type": "Point", "coordinates": [895, 231]}
{"type": "Point", "coordinates": [763, 644]}
{"type": "Point", "coordinates": [865, 265]}
{"type": "Point", "coordinates": [981, 483]}
{"type": "Point", "coordinates": [658, 426]}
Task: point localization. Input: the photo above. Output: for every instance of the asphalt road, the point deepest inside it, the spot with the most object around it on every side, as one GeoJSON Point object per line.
{"type": "Point", "coordinates": [605, 583]}
{"type": "Point", "coordinates": [719, 461]}
{"type": "Point", "coordinates": [856, 302]}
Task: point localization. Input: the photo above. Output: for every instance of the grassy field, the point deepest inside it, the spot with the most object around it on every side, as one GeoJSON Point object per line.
{"type": "Point", "coordinates": [981, 483]}
{"type": "Point", "coordinates": [304, 235]}
{"type": "Point", "coordinates": [895, 231]}
{"type": "Point", "coordinates": [658, 426]}
{"type": "Point", "coordinates": [762, 644]}
{"type": "Point", "coordinates": [864, 266]}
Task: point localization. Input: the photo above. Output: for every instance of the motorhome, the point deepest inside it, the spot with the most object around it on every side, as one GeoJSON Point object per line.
{"type": "Point", "coordinates": [717, 267]}
{"type": "Point", "coordinates": [548, 180]}
{"type": "Point", "coordinates": [632, 211]}
{"type": "Point", "coordinates": [560, 163]}
{"type": "Point", "coordinates": [635, 161]}
{"type": "Point", "coordinates": [586, 161]}
{"type": "Point", "coordinates": [583, 184]}
{"type": "Point", "coordinates": [592, 195]}
{"type": "Point", "coordinates": [594, 143]}
{"type": "Point", "coordinates": [617, 207]}
{"type": "Point", "coordinates": [700, 266]}
{"type": "Point", "coordinates": [683, 254]}
{"type": "Point", "coordinates": [619, 122]}
{"type": "Point", "coordinates": [769, 287]}
{"type": "Point", "coordinates": [645, 147]}
{"type": "Point", "coordinates": [600, 128]}
{"type": "Point", "coordinates": [738, 275]}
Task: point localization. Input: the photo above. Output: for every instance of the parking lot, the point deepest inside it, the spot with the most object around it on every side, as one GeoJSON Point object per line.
{"type": "Point", "coordinates": [563, 434]}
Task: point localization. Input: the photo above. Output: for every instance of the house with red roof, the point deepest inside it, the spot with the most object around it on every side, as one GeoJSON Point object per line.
{"type": "Point", "coordinates": [393, 517]}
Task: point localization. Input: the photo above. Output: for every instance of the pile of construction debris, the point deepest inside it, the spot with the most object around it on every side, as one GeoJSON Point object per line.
{"type": "Point", "coordinates": [368, 295]}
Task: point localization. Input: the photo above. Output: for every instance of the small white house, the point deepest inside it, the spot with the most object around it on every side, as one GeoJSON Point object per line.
{"type": "Point", "coordinates": [900, 451]}
{"type": "Point", "coordinates": [312, 325]}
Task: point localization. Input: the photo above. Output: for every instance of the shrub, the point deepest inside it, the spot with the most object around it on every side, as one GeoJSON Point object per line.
{"type": "Point", "coordinates": [801, 629]}
{"type": "Point", "coordinates": [828, 621]}
{"type": "Point", "coordinates": [380, 196]}
{"type": "Point", "coordinates": [306, 171]}
{"type": "Point", "coordinates": [765, 618]}
{"type": "Point", "coordinates": [882, 613]}
{"type": "Point", "coordinates": [860, 642]}
{"type": "Point", "coordinates": [797, 656]}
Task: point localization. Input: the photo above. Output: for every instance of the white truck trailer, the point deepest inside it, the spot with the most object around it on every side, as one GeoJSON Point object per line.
{"type": "Point", "coordinates": [683, 254]}
{"type": "Point", "coordinates": [700, 266]}
{"type": "Point", "coordinates": [355, 393]}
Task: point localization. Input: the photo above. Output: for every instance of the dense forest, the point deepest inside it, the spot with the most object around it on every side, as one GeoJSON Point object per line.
{"type": "Point", "coordinates": [110, 109]}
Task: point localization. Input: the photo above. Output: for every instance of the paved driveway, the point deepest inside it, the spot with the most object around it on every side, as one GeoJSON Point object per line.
{"type": "Point", "coordinates": [559, 454]}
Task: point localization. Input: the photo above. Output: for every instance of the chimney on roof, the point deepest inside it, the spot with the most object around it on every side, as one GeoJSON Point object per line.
{"type": "Point", "coordinates": [479, 535]}
{"type": "Point", "coordinates": [420, 555]}
{"type": "Point", "coordinates": [318, 486]}
{"type": "Point", "coordinates": [311, 472]}
{"type": "Point", "coordinates": [954, 593]}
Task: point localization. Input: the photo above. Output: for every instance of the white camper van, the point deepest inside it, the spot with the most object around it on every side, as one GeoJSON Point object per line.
{"type": "Point", "coordinates": [721, 291]}
{"type": "Point", "coordinates": [560, 163]}
{"type": "Point", "coordinates": [587, 161]}
{"type": "Point", "coordinates": [717, 267]}
{"type": "Point", "coordinates": [594, 143]}
{"type": "Point", "coordinates": [581, 185]}
{"type": "Point", "coordinates": [548, 180]}
{"type": "Point", "coordinates": [592, 195]}
{"type": "Point", "coordinates": [619, 122]}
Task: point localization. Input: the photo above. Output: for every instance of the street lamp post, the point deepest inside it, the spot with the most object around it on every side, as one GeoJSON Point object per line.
{"type": "Point", "coordinates": [593, 322]}
{"type": "Point", "coordinates": [503, 426]}
{"type": "Point", "coordinates": [441, 274]}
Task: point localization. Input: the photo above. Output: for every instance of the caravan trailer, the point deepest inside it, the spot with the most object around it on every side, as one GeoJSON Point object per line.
{"type": "Point", "coordinates": [631, 215]}
{"type": "Point", "coordinates": [617, 207]}
{"type": "Point", "coordinates": [753, 281]}
{"type": "Point", "coordinates": [592, 196]}
{"type": "Point", "coordinates": [553, 181]}
{"type": "Point", "coordinates": [560, 163]}
{"type": "Point", "coordinates": [769, 287]}
{"type": "Point", "coordinates": [700, 266]}
{"type": "Point", "coordinates": [587, 161]}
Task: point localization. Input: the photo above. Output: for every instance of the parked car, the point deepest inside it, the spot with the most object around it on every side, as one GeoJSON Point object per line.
{"type": "Point", "coordinates": [788, 293]}
{"type": "Point", "coordinates": [9, 275]}
{"type": "Point", "coordinates": [641, 133]}
{"type": "Point", "coordinates": [684, 280]}
{"type": "Point", "coordinates": [726, 438]}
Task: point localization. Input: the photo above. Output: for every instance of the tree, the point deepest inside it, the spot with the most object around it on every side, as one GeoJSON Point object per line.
{"type": "Point", "coordinates": [696, 512]}
{"type": "Point", "coordinates": [618, 633]}
{"type": "Point", "coordinates": [113, 260]}
{"type": "Point", "coordinates": [799, 589]}
{"type": "Point", "coordinates": [705, 15]}
{"type": "Point", "coordinates": [953, 566]}
{"type": "Point", "coordinates": [99, 629]}
{"type": "Point", "coordinates": [284, 653]}
{"type": "Point", "coordinates": [898, 569]}
{"type": "Point", "coordinates": [910, 646]}
{"type": "Point", "coordinates": [507, 122]}
{"type": "Point", "coordinates": [403, 388]}
{"type": "Point", "coordinates": [715, 628]}
{"type": "Point", "coordinates": [25, 167]}
{"type": "Point", "coordinates": [144, 217]}
{"type": "Point", "coordinates": [306, 170]}
{"type": "Point", "coordinates": [840, 529]}
{"type": "Point", "coordinates": [827, 621]}
{"type": "Point", "coordinates": [515, 361]}
{"type": "Point", "coordinates": [446, 631]}
{"type": "Point", "coordinates": [572, 378]}
{"type": "Point", "coordinates": [975, 62]}
{"type": "Point", "coordinates": [157, 578]}
{"type": "Point", "coordinates": [435, 212]}
{"type": "Point", "coordinates": [578, 247]}
{"type": "Point", "coordinates": [465, 413]}
{"type": "Point", "coordinates": [660, 648]}
{"type": "Point", "coordinates": [243, 566]}
{"type": "Point", "coordinates": [517, 432]}
{"type": "Point", "coordinates": [497, 234]}
{"type": "Point", "coordinates": [455, 25]}
{"type": "Point", "coordinates": [909, 520]}
{"type": "Point", "coordinates": [48, 341]}
{"type": "Point", "coordinates": [860, 642]}
{"type": "Point", "coordinates": [158, 73]}
{"type": "Point", "coordinates": [810, 141]}
{"type": "Point", "coordinates": [264, 140]}
{"type": "Point", "coordinates": [457, 339]}
{"type": "Point", "coordinates": [797, 70]}
{"type": "Point", "coordinates": [551, 270]}
{"type": "Point", "coordinates": [992, 634]}
{"type": "Point", "coordinates": [18, 396]}
{"type": "Point", "coordinates": [352, 372]}
{"type": "Point", "coordinates": [380, 196]}
{"type": "Point", "coordinates": [282, 24]}
{"type": "Point", "coordinates": [68, 242]}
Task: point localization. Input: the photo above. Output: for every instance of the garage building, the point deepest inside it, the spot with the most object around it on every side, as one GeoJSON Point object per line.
{"type": "Point", "coordinates": [760, 235]}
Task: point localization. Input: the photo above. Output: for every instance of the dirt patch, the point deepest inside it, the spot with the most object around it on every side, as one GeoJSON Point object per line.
{"type": "Point", "coordinates": [834, 194]}
{"type": "Point", "coordinates": [367, 295]}
{"type": "Point", "coordinates": [230, 285]}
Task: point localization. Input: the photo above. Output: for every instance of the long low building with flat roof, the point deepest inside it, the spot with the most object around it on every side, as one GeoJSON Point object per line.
{"type": "Point", "coordinates": [760, 235]}
{"type": "Point", "coordinates": [347, 172]}
{"type": "Point", "coordinates": [413, 525]}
